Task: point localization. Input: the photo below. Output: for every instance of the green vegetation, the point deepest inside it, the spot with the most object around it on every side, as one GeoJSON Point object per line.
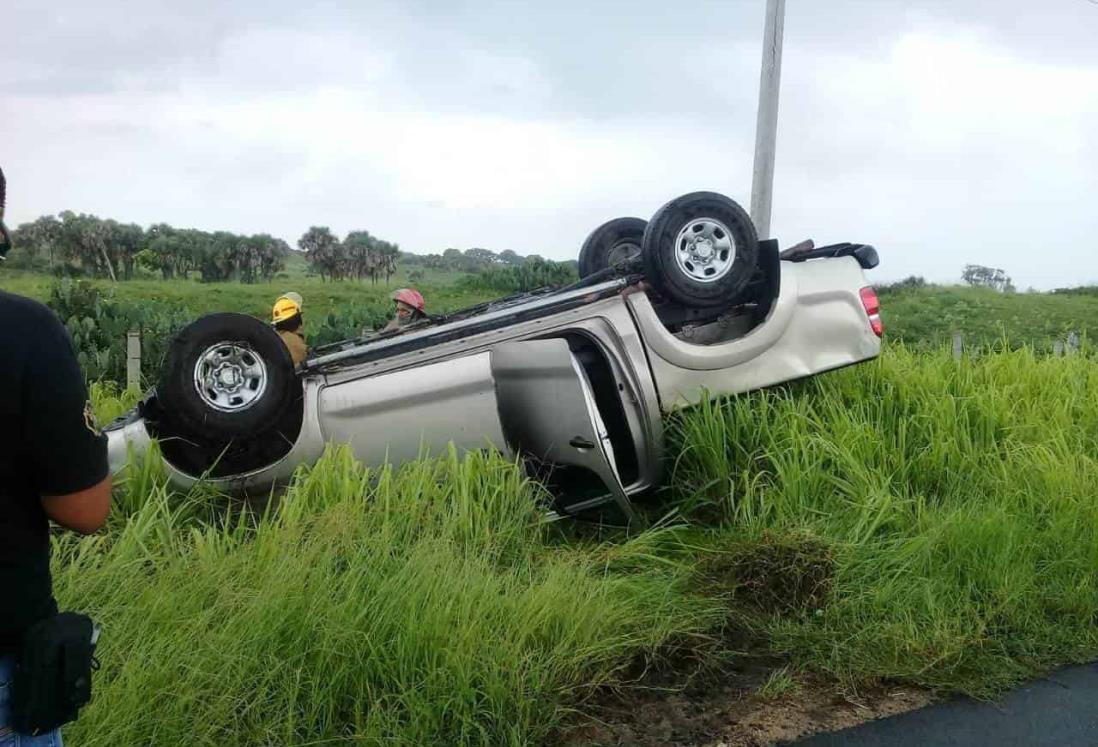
{"type": "Point", "coordinates": [531, 275]}
{"type": "Point", "coordinates": [98, 324]}
{"type": "Point", "coordinates": [954, 501]}
{"type": "Point", "coordinates": [321, 297]}
{"type": "Point", "coordinates": [358, 255]}
{"type": "Point", "coordinates": [929, 315]}
{"type": "Point", "coordinates": [425, 605]}
{"type": "Point", "coordinates": [73, 245]}
{"type": "Point", "coordinates": [779, 684]}
{"type": "Point", "coordinates": [98, 313]}
{"type": "Point", "coordinates": [82, 244]}
{"type": "Point", "coordinates": [916, 314]}
{"type": "Point", "coordinates": [918, 518]}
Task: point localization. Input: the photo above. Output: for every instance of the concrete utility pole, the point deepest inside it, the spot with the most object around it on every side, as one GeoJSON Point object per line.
{"type": "Point", "coordinates": [133, 359]}
{"type": "Point", "coordinates": [766, 128]}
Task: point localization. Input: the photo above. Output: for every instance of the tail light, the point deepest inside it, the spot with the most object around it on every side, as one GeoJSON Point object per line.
{"type": "Point", "coordinates": [872, 306]}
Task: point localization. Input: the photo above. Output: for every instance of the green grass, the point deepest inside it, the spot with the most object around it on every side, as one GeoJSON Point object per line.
{"type": "Point", "coordinates": [930, 316]}
{"type": "Point", "coordinates": [779, 684]}
{"type": "Point", "coordinates": [917, 519]}
{"type": "Point", "coordinates": [956, 500]}
{"type": "Point", "coordinates": [333, 311]}
{"type": "Point", "coordinates": [426, 605]}
{"type": "Point", "coordinates": [926, 316]}
{"type": "Point", "coordinates": [321, 297]}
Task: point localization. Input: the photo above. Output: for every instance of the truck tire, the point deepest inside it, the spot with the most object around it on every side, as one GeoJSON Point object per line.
{"type": "Point", "coordinates": [611, 244]}
{"type": "Point", "coordinates": [700, 250]}
{"type": "Point", "coordinates": [227, 375]}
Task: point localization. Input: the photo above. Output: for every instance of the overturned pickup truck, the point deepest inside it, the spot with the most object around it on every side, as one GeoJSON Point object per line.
{"type": "Point", "coordinates": [575, 380]}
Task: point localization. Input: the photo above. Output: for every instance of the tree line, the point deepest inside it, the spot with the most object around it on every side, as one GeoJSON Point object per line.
{"type": "Point", "coordinates": [979, 276]}
{"type": "Point", "coordinates": [80, 244]}
{"type": "Point", "coordinates": [473, 260]}
{"type": "Point", "coordinates": [358, 255]}
{"type": "Point", "coordinates": [975, 276]}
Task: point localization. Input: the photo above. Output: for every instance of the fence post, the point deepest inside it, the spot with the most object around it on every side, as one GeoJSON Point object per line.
{"type": "Point", "coordinates": [958, 345]}
{"type": "Point", "coordinates": [1072, 343]}
{"type": "Point", "coordinates": [133, 359]}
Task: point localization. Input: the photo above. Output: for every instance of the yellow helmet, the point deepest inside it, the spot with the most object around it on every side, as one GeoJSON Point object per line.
{"type": "Point", "coordinates": [284, 308]}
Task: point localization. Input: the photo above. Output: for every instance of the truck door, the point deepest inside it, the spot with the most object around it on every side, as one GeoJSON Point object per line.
{"type": "Point", "coordinates": [547, 410]}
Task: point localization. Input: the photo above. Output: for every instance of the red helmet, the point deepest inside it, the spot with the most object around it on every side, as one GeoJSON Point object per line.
{"type": "Point", "coordinates": [411, 297]}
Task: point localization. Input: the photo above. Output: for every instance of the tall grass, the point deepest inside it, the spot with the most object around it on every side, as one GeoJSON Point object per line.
{"type": "Point", "coordinates": [917, 518]}
{"type": "Point", "coordinates": [929, 315]}
{"type": "Point", "coordinates": [958, 499]}
{"type": "Point", "coordinates": [424, 605]}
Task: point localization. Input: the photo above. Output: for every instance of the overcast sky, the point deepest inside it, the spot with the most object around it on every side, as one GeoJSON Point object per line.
{"type": "Point", "coordinates": [942, 131]}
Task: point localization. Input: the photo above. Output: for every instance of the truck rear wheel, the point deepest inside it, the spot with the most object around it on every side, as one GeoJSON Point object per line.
{"type": "Point", "coordinates": [700, 250]}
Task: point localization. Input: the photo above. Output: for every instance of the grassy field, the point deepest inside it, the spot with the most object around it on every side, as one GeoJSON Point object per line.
{"type": "Point", "coordinates": [984, 317]}
{"type": "Point", "coordinates": [423, 606]}
{"type": "Point", "coordinates": [321, 297]}
{"type": "Point", "coordinates": [99, 313]}
{"type": "Point", "coordinates": [918, 518]}
{"type": "Point", "coordinates": [925, 316]}
{"type": "Point", "coordinates": [953, 502]}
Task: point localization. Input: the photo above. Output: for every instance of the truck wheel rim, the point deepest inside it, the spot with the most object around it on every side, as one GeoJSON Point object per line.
{"type": "Point", "coordinates": [704, 250]}
{"type": "Point", "coordinates": [230, 377]}
{"type": "Point", "coordinates": [622, 251]}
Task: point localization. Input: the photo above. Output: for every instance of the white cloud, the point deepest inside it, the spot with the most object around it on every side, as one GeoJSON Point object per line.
{"type": "Point", "coordinates": [936, 142]}
{"type": "Point", "coordinates": [944, 149]}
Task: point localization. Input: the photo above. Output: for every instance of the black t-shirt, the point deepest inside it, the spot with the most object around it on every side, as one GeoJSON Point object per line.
{"type": "Point", "coordinates": [49, 445]}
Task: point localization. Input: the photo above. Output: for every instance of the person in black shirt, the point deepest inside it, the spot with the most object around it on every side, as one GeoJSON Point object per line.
{"type": "Point", "coordinates": [53, 465]}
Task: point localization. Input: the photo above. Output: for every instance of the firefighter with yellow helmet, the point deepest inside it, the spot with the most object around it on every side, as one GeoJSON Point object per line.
{"type": "Point", "coordinates": [287, 320]}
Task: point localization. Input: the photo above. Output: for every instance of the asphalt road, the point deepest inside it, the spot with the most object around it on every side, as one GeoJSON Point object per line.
{"type": "Point", "coordinates": [1058, 711]}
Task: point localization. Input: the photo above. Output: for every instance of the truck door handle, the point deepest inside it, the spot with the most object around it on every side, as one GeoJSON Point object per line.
{"type": "Point", "coordinates": [579, 442]}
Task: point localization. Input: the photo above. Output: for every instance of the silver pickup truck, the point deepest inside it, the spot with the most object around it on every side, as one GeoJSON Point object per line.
{"type": "Point", "coordinates": [575, 380]}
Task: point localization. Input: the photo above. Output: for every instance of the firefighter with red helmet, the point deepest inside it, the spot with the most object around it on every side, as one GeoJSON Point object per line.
{"type": "Point", "coordinates": [409, 308]}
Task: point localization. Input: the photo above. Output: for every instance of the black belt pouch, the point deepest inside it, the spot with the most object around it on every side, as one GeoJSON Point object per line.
{"type": "Point", "coordinates": [53, 672]}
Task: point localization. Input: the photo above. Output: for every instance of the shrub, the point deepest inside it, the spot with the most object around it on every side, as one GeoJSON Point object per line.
{"type": "Point", "coordinates": [534, 273]}
{"type": "Point", "coordinates": [98, 323]}
{"type": "Point", "coordinates": [911, 282]}
{"type": "Point", "coordinates": [349, 321]}
{"type": "Point", "coordinates": [1082, 290]}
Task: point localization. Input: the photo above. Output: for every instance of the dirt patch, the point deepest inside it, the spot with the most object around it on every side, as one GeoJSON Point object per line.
{"type": "Point", "coordinates": [818, 706]}
{"type": "Point", "coordinates": [776, 574]}
{"type": "Point", "coordinates": [717, 692]}
{"type": "Point", "coordinates": [728, 712]}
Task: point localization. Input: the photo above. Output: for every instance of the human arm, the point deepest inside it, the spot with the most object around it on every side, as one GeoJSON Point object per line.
{"type": "Point", "coordinates": [67, 454]}
{"type": "Point", "coordinates": [84, 511]}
